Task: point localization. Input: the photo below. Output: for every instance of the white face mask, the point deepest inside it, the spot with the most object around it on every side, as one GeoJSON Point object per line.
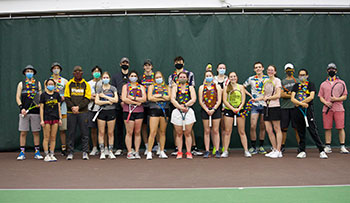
{"type": "Point", "coordinates": [222, 71]}
{"type": "Point", "coordinates": [56, 71]}
{"type": "Point", "coordinates": [133, 79]}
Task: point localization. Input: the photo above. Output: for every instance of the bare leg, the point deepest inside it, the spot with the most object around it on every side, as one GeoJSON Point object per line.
{"type": "Point", "coordinates": [137, 133]}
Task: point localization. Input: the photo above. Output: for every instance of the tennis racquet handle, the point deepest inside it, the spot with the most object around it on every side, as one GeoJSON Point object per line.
{"type": "Point", "coordinates": [306, 122]}
{"type": "Point", "coordinates": [235, 120]}
{"type": "Point", "coordinates": [210, 122]}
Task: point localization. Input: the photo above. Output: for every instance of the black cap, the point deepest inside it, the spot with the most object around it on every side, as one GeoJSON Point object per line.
{"type": "Point", "coordinates": [148, 61]}
{"type": "Point", "coordinates": [28, 67]}
{"type": "Point", "coordinates": [56, 64]}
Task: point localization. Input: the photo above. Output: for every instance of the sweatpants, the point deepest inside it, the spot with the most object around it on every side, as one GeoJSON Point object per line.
{"type": "Point", "coordinates": [300, 125]}
{"type": "Point", "coordinates": [73, 121]}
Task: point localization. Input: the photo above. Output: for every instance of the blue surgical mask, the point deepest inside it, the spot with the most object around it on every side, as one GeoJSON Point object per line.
{"type": "Point", "coordinates": [105, 81]}
{"type": "Point", "coordinates": [159, 80]}
{"type": "Point", "coordinates": [133, 79]}
{"type": "Point", "coordinates": [56, 71]}
{"type": "Point", "coordinates": [97, 74]}
{"type": "Point", "coordinates": [29, 75]}
{"type": "Point", "coordinates": [222, 71]}
{"type": "Point", "coordinates": [209, 79]}
{"type": "Point", "coordinates": [50, 87]}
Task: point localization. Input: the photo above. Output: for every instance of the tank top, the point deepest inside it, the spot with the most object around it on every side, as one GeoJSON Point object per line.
{"type": "Point", "coordinates": [138, 109]}
{"type": "Point", "coordinates": [183, 97]}
{"type": "Point", "coordinates": [210, 95]}
{"type": "Point", "coordinates": [159, 89]}
{"type": "Point", "coordinates": [29, 93]}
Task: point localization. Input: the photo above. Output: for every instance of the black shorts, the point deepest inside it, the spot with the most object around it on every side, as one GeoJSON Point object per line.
{"type": "Point", "coordinates": [134, 116]}
{"type": "Point", "coordinates": [145, 115]}
{"type": "Point", "coordinates": [90, 123]}
{"type": "Point", "coordinates": [287, 117]}
{"type": "Point", "coordinates": [216, 115]}
{"type": "Point", "coordinates": [158, 113]}
{"type": "Point", "coordinates": [229, 113]}
{"type": "Point", "coordinates": [107, 115]}
{"type": "Point", "coordinates": [274, 114]}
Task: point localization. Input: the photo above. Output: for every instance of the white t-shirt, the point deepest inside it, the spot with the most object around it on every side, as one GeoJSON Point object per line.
{"type": "Point", "coordinates": [94, 88]}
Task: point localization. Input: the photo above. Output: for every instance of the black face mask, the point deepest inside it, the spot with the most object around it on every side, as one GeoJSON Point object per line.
{"type": "Point", "coordinates": [179, 66]}
{"type": "Point", "coordinates": [331, 73]}
{"type": "Point", "coordinates": [124, 67]}
{"type": "Point", "coordinates": [289, 73]}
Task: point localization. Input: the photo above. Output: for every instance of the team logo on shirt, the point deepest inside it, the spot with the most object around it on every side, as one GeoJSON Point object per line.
{"type": "Point", "coordinates": [77, 91]}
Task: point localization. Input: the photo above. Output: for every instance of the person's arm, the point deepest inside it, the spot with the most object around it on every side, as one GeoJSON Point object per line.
{"type": "Point", "coordinates": [325, 102]}
{"type": "Point", "coordinates": [193, 97]}
{"type": "Point", "coordinates": [42, 123]}
{"type": "Point", "coordinates": [243, 98]}
{"type": "Point", "coordinates": [200, 96]}
{"type": "Point", "coordinates": [39, 88]}
{"type": "Point", "coordinates": [153, 97]}
{"type": "Point", "coordinates": [125, 98]}
{"type": "Point", "coordinates": [59, 114]}
{"type": "Point", "coordinates": [277, 94]}
{"type": "Point", "coordinates": [218, 97]}
{"type": "Point", "coordinates": [86, 99]}
{"type": "Point", "coordinates": [167, 97]}
{"type": "Point", "coordinates": [298, 103]}
{"type": "Point", "coordinates": [67, 97]}
{"type": "Point", "coordinates": [224, 99]}
{"type": "Point", "coordinates": [18, 94]}
{"type": "Point", "coordinates": [99, 102]}
{"type": "Point", "coordinates": [174, 101]}
{"type": "Point", "coordinates": [285, 94]}
{"type": "Point", "coordinates": [144, 97]}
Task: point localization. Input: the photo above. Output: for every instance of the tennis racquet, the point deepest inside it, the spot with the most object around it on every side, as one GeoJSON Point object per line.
{"type": "Point", "coordinates": [234, 97]}
{"type": "Point", "coordinates": [162, 106]}
{"type": "Point", "coordinates": [268, 90]}
{"type": "Point", "coordinates": [107, 92]}
{"type": "Point", "coordinates": [97, 113]}
{"type": "Point", "coordinates": [34, 104]}
{"type": "Point", "coordinates": [337, 91]}
{"type": "Point", "coordinates": [183, 115]}
{"type": "Point", "coordinates": [301, 95]}
{"type": "Point", "coordinates": [132, 107]}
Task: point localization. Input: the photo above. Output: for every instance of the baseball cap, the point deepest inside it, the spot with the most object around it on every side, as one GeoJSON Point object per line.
{"type": "Point", "coordinates": [124, 59]}
{"type": "Point", "coordinates": [289, 65]}
{"type": "Point", "coordinates": [331, 65]}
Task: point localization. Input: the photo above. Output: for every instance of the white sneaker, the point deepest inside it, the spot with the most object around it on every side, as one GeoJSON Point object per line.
{"type": "Point", "coordinates": [94, 151]}
{"type": "Point", "coordinates": [158, 151]}
{"type": "Point", "coordinates": [21, 156]}
{"type": "Point", "coordinates": [111, 155]}
{"type": "Point", "coordinates": [343, 150]}
{"type": "Point", "coordinates": [70, 157]}
{"type": "Point", "coordinates": [323, 155]}
{"type": "Point", "coordinates": [162, 155]}
{"type": "Point", "coordinates": [118, 152]}
{"type": "Point", "coordinates": [224, 154]}
{"type": "Point", "coordinates": [274, 154]}
{"type": "Point", "coordinates": [133, 151]}
{"type": "Point", "coordinates": [53, 158]}
{"type": "Point", "coordinates": [270, 153]}
{"type": "Point", "coordinates": [137, 155]}
{"type": "Point", "coordinates": [106, 151]}
{"type": "Point", "coordinates": [146, 152]}
{"type": "Point", "coordinates": [130, 156]}
{"type": "Point", "coordinates": [280, 155]}
{"type": "Point", "coordinates": [85, 156]}
{"type": "Point", "coordinates": [149, 156]}
{"type": "Point", "coordinates": [247, 154]}
{"type": "Point", "coordinates": [103, 156]}
{"type": "Point", "coordinates": [155, 148]}
{"type": "Point", "coordinates": [47, 158]}
{"type": "Point", "coordinates": [301, 155]}
{"type": "Point", "coordinates": [328, 149]}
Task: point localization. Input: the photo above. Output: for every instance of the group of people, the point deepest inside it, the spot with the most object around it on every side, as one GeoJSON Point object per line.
{"type": "Point", "coordinates": [144, 104]}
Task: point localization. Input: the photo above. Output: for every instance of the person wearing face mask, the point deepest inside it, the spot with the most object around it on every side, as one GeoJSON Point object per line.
{"type": "Point", "coordinates": [173, 81]}
{"type": "Point", "coordinates": [307, 88]}
{"type": "Point", "coordinates": [119, 80]}
{"type": "Point", "coordinates": [183, 96]}
{"type": "Point", "coordinates": [95, 83]}
{"type": "Point", "coordinates": [61, 82]}
{"type": "Point", "coordinates": [333, 109]}
{"type": "Point", "coordinates": [287, 105]}
{"type": "Point", "coordinates": [51, 117]}
{"type": "Point", "coordinates": [133, 96]}
{"type": "Point", "coordinates": [255, 83]}
{"type": "Point", "coordinates": [106, 97]}
{"type": "Point", "coordinates": [28, 92]}
{"type": "Point", "coordinates": [210, 95]}
{"type": "Point", "coordinates": [77, 95]}
{"type": "Point", "coordinates": [158, 96]}
{"type": "Point", "coordinates": [222, 80]}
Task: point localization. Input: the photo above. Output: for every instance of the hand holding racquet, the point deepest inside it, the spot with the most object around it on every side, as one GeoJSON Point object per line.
{"type": "Point", "coordinates": [132, 107]}
{"type": "Point", "coordinates": [234, 97]}
{"type": "Point", "coordinates": [268, 90]}
{"type": "Point", "coordinates": [34, 104]}
{"type": "Point", "coordinates": [336, 92]}
{"type": "Point", "coordinates": [301, 95]}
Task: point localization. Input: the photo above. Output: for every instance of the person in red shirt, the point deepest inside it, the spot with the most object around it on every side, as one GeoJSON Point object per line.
{"type": "Point", "coordinates": [333, 108]}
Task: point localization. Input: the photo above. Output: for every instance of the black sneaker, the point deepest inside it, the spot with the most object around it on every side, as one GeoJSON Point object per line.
{"type": "Point", "coordinates": [175, 152]}
{"type": "Point", "coordinates": [196, 152]}
{"type": "Point", "coordinates": [64, 152]}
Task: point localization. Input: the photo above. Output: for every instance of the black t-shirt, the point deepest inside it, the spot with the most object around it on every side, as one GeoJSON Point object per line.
{"type": "Point", "coordinates": [311, 87]}
{"type": "Point", "coordinates": [50, 105]}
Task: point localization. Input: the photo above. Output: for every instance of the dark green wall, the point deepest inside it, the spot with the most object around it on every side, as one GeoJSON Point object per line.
{"type": "Point", "coordinates": [308, 41]}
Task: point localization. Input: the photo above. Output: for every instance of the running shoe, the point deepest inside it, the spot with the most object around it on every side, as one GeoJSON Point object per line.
{"type": "Point", "coordinates": [174, 153]}
{"type": "Point", "coordinates": [270, 153]}
{"type": "Point", "coordinates": [21, 156]}
{"type": "Point", "coordinates": [94, 151]}
{"type": "Point", "coordinates": [47, 158]}
{"type": "Point", "coordinates": [328, 149]}
{"type": "Point", "coordinates": [106, 151]}
{"type": "Point", "coordinates": [158, 151]}
{"type": "Point", "coordinates": [274, 154]}
{"type": "Point", "coordinates": [179, 155]}
{"type": "Point", "coordinates": [53, 158]}
{"type": "Point", "coordinates": [130, 156]}
{"type": "Point", "coordinates": [149, 156]}
{"type": "Point", "coordinates": [343, 150]}
{"type": "Point", "coordinates": [155, 148]}
{"type": "Point", "coordinates": [70, 157]}
{"type": "Point", "coordinates": [102, 156]}
{"type": "Point", "coordinates": [261, 150]}
{"type": "Point", "coordinates": [162, 155]}
{"type": "Point", "coordinates": [111, 155]}
{"type": "Point", "coordinates": [217, 154]}
{"type": "Point", "coordinates": [252, 151]}
{"type": "Point", "coordinates": [85, 156]}
{"type": "Point", "coordinates": [146, 152]}
{"type": "Point", "coordinates": [137, 155]}
{"type": "Point", "coordinates": [196, 152]}
{"type": "Point", "coordinates": [37, 155]}
{"type": "Point", "coordinates": [206, 154]}
{"type": "Point", "coordinates": [118, 152]}
{"type": "Point", "coordinates": [64, 152]}
{"type": "Point", "coordinates": [224, 154]}
{"type": "Point", "coordinates": [301, 155]}
{"type": "Point", "coordinates": [189, 155]}
{"type": "Point", "coordinates": [323, 155]}
{"type": "Point", "coordinates": [247, 154]}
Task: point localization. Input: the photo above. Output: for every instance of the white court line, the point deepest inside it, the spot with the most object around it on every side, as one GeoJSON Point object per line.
{"type": "Point", "coordinates": [179, 189]}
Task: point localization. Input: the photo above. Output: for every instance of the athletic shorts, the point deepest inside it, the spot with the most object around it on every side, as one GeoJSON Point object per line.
{"type": "Point", "coordinates": [90, 123]}
{"type": "Point", "coordinates": [274, 114]}
{"type": "Point", "coordinates": [176, 117]}
{"type": "Point", "coordinates": [51, 122]}
{"type": "Point", "coordinates": [338, 117]}
{"type": "Point", "coordinates": [229, 113]}
{"type": "Point", "coordinates": [145, 115]}
{"type": "Point", "coordinates": [107, 115]}
{"type": "Point", "coordinates": [30, 119]}
{"type": "Point", "coordinates": [64, 123]}
{"type": "Point", "coordinates": [134, 116]}
{"type": "Point", "coordinates": [257, 109]}
{"type": "Point", "coordinates": [287, 117]}
{"type": "Point", "coordinates": [158, 113]}
{"type": "Point", "coordinates": [216, 115]}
